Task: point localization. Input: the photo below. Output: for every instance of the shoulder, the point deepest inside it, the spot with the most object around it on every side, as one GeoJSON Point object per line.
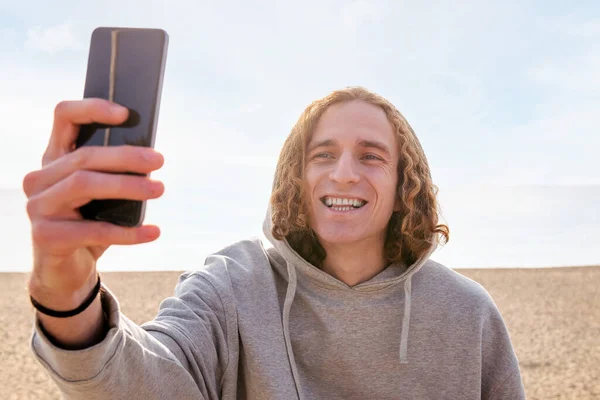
{"type": "Point", "coordinates": [241, 261]}
{"type": "Point", "coordinates": [444, 285]}
{"type": "Point", "coordinates": [467, 305]}
{"type": "Point", "coordinates": [451, 282]}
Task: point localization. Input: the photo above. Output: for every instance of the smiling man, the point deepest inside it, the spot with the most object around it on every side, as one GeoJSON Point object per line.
{"type": "Point", "coordinates": [351, 179]}
{"type": "Point", "coordinates": [338, 300]}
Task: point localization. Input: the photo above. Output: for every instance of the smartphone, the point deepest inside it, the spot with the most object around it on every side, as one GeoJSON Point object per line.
{"type": "Point", "coordinates": [127, 66]}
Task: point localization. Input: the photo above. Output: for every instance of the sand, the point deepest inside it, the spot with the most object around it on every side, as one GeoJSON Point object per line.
{"type": "Point", "coordinates": [553, 316]}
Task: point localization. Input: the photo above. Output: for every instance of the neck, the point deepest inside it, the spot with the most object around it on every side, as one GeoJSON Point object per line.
{"type": "Point", "coordinates": [354, 263]}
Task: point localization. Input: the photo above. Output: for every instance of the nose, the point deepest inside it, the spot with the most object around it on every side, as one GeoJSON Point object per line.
{"type": "Point", "coordinates": [345, 170]}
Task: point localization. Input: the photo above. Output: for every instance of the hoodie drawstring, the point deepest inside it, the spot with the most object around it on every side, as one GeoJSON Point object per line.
{"type": "Point", "coordinates": [405, 321]}
{"type": "Point", "coordinates": [287, 305]}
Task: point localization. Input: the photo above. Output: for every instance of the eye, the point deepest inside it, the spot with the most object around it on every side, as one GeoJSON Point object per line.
{"type": "Point", "coordinates": [371, 157]}
{"type": "Point", "coordinates": [323, 155]}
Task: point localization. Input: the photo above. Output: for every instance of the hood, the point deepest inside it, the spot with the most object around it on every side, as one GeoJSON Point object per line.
{"type": "Point", "coordinates": [394, 274]}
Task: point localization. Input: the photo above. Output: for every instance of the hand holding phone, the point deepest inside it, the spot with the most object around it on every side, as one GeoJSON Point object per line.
{"type": "Point", "coordinates": [125, 66]}
{"type": "Point", "coordinates": [67, 243]}
{"type": "Point", "coordinates": [66, 247]}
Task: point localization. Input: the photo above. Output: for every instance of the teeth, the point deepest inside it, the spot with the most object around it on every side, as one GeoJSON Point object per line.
{"type": "Point", "coordinates": [342, 208]}
{"type": "Point", "coordinates": [337, 202]}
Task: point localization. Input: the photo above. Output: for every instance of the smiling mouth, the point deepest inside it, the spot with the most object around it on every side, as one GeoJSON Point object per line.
{"type": "Point", "coordinates": [342, 203]}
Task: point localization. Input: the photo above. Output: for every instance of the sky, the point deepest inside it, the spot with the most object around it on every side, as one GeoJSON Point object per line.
{"type": "Point", "coordinates": [498, 92]}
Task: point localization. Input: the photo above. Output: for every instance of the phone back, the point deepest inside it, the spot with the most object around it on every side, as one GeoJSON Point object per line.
{"type": "Point", "coordinates": [126, 66]}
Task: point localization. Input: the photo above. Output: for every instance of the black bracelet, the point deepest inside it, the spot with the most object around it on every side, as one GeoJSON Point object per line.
{"type": "Point", "coordinates": [66, 314]}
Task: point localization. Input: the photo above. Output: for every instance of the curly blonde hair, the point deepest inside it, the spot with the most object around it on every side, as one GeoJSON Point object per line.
{"type": "Point", "coordinates": [411, 230]}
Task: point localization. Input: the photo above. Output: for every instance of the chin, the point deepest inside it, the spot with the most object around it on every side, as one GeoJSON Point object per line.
{"type": "Point", "coordinates": [339, 236]}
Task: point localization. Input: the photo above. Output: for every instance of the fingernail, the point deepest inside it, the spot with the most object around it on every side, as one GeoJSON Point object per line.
{"type": "Point", "coordinates": [156, 188]}
{"type": "Point", "coordinates": [150, 232]}
{"type": "Point", "coordinates": [117, 109]}
{"type": "Point", "coordinates": [151, 156]}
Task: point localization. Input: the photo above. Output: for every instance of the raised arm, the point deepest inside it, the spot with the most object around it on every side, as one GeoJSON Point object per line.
{"type": "Point", "coordinates": [99, 353]}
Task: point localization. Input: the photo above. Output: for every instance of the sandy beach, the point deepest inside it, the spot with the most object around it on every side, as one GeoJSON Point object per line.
{"type": "Point", "coordinates": [553, 316]}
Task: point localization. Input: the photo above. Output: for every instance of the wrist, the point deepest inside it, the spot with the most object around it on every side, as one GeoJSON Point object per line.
{"type": "Point", "coordinates": [79, 331]}
{"type": "Point", "coordinates": [61, 299]}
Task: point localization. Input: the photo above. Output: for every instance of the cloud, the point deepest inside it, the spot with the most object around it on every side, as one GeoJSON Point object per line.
{"type": "Point", "coordinates": [251, 107]}
{"type": "Point", "coordinates": [580, 73]}
{"type": "Point", "coordinates": [556, 148]}
{"type": "Point", "coordinates": [586, 29]}
{"type": "Point", "coordinates": [53, 39]}
{"type": "Point", "coordinates": [8, 37]}
{"type": "Point", "coordinates": [573, 26]}
{"type": "Point", "coordinates": [457, 74]}
{"type": "Point", "coordinates": [356, 13]}
{"type": "Point", "coordinates": [567, 56]}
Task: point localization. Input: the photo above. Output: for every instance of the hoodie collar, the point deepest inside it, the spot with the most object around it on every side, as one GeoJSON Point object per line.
{"type": "Point", "coordinates": [393, 274]}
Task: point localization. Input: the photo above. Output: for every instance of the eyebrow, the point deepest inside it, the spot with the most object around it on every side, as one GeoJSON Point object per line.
{"type": "Point", "coordinates": [322, 143]}
{"type": "Point", "coordinates": [376, 145]}
{"type": "Point", "coordinates": [363, 143]}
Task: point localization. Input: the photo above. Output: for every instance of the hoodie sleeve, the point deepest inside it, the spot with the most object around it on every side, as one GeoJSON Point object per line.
{"type": "Point", "coordinates": [501, 376]}
{"type": "Point", "coordinates": [182, 353]}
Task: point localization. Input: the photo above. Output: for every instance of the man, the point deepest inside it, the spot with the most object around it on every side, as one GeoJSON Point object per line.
{"type": "Point", "coordinates": [338, 300]}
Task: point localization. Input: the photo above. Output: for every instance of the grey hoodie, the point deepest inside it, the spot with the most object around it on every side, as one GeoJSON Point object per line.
{"type": "Point", "coordinates": [259, 322]}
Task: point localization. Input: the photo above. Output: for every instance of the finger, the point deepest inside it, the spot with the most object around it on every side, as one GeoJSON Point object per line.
{"type": "Point", "coordinates": [56, 237]}
{"type": "Point", "coordinates": [69, 115]}
{"type": "Point", "coordinates": [136, 159]}
{"type": "Point", "coordinates": [83, 186]}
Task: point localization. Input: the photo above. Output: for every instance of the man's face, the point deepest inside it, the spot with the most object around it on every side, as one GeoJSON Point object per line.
{"type": "Point", "coordinates": [351, 174]}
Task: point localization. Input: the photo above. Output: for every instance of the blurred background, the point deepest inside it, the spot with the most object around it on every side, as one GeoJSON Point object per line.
{"type": "Point", "coordinates": [504, 96]}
